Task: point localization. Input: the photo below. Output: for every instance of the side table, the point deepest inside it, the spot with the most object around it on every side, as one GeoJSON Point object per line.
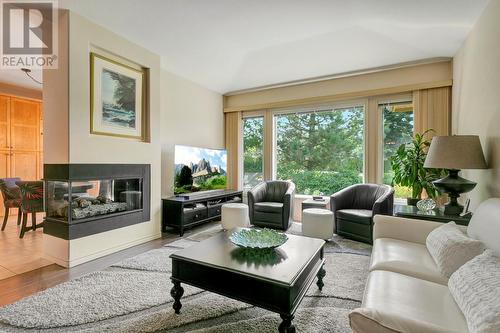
{"type": "Point", "coordinates": [436, 215]}
{"type": "Point", "coordinates": [311, 203]}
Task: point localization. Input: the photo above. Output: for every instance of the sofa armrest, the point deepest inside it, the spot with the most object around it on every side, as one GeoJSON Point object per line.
{"type": "Point", "coordinates": [411, 230]}
{"type": "Point", "coordinates": [367, 320]}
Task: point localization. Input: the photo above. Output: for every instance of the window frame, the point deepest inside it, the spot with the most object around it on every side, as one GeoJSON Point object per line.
{"type": "Point", "coordinates": [387, 99]}
{"type": "Point", "coordinates": [312, 108]}
{"type": "Point", "coordinates": [241, 167]}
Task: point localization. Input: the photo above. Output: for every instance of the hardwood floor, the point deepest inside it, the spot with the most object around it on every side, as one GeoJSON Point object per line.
{"type": "Point", "coordinates": [18, 255]}
{"type": "Point", "coordinates": [22, 285]}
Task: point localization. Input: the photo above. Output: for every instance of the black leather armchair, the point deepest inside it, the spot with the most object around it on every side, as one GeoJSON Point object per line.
{"type": "Point", "coordinates": [270, 204]}
{"type": "Point", "coordinates": [355, 206]}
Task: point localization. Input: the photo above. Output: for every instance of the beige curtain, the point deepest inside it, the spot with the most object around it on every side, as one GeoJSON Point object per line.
{"type": "Point", "coordinates": [432, 110]}
{"type": "Point", "coordinates": [233, 139]}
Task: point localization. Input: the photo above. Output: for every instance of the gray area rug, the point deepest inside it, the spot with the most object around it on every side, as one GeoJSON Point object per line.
{"type": "Point", "coordinates": [134, 296]}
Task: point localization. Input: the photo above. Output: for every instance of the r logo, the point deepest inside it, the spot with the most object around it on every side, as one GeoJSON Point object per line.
{"type": "Point", "coordinates": [27, 27]}
{"type": "Point", "coordinates": [29, 34]}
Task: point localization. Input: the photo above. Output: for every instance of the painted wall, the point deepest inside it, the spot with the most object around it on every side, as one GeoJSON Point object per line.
{"type": "Point", "coordinates": [181, 112]}
{"type": "Point", "coordinates": [190, 115]}
{"type": "Point", "coordinates": [85, 37]}
{"type": "Point", "coordinates": [19, 91]}
{"type": "Point", "coordinates": [56, 100]}
{"type": "Point", "coordinates": [476, 86]}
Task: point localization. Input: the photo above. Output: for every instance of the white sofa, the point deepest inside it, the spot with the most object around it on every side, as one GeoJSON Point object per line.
{"type": "Point", "coordinates": [405, 291]}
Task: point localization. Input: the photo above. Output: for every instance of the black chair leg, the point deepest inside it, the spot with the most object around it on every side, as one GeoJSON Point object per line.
{"type": "Point", "coordinates": [23, 226]}
{"type": "Point", "coordinates": [5, 218]}
{"type": "Point", "coordinates": [19, 216]}
{"type": "Point", "coordinates": [33, 221]}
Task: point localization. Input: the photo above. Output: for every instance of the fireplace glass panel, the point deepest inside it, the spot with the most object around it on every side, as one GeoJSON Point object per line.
{"type": "Point", "coordinates": [77, 200]}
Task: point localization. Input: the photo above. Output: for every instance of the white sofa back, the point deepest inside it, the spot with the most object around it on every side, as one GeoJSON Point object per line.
{"type": "Point", "coordinates": [485, 224]}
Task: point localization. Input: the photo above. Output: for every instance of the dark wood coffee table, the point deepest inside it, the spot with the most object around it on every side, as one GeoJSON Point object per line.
{"type": "Point", "coordinates": [276, 280]}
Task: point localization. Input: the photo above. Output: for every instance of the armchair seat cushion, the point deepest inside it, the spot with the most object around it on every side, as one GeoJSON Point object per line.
{"type": "Point", "coordinates": [407, 258]}
{"type": "Point", "coordinates": [361, 216]}
{"type": "Point", "coordinates": [269, 207]}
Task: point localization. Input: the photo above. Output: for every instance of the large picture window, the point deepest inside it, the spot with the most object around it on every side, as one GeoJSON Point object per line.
{"type": "Point", "coordinates": [253, 144]}
{"type": "Point", "coordinates": [321, 151]}
{"type": "Point", "coordinates": [397, 120]}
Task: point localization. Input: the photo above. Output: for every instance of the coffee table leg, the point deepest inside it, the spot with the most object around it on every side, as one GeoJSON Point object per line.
{"type": "Point", "coordinates": [286, 325]}
{"type": "Point", "coordinates": [177, 292]}
{"type": "Point", "coordinates": [321, 275]}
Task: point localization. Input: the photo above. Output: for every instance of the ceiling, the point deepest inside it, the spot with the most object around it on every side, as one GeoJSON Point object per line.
{"type": "Point", "coordinates": [228, 45]}
{"type": "Point", "coordinates": [17, 77]}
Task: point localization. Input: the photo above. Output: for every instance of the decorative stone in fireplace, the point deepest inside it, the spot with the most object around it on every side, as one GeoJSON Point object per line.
{"type": "Point", "coordinates": [85, 199]}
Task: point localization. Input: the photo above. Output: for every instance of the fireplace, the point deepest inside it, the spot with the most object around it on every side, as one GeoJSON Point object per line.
{"type": "Point", "coordinates": [85, 199]}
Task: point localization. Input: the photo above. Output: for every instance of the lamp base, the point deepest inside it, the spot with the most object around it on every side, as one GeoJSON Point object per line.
{"type": "Point", "coordinates": [453, 208]}
{"type": "Point", "coordinates": [453, 185]}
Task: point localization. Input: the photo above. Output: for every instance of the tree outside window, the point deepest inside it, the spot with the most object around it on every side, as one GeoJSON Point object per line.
{"type": "Point", "coordinates": [321, 152]}
{"type": "Point", "coordinates": [253, 143]}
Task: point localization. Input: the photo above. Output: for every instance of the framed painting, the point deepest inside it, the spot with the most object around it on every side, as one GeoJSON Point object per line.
{"type": "Point", "coordinates": [117, 93]}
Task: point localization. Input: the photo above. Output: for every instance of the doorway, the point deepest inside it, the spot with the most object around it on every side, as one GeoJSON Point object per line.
{"type": "Point", "coordinates": [21, 156]}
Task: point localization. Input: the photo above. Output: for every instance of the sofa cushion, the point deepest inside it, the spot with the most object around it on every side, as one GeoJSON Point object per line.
{"type": "Point", "coordinates": [361, 216]}
{"type": "Point", "coordinates": [485, 224]}
{"type": "Point", "coordinates": [406, 258]}
{"type": "Point", "coordinates": [451, 248]}
{"type": "Point", "coordinates": [407, 304]}
{"type": "Point", "coordinates": [269, 207]}
{"type": "Point", "coordinates": [476, 288]}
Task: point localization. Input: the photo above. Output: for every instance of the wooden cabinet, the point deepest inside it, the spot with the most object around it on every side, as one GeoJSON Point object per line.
{"type": "Point", "coordinates": [20, 139]}
{"type": "Point", "coordinates": [4, 123]}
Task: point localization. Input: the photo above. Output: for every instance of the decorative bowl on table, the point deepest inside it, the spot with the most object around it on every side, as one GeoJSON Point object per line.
{"type": "Point", "coordinates": [426, 205]}
{"type": "Point", "coordinates": [258, 238]}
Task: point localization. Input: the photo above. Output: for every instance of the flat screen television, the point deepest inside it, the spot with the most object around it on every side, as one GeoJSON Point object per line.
{"type": "Point", "coordinates": [199, 169]}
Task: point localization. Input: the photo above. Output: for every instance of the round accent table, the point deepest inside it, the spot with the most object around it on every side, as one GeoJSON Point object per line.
{"type": "Point", "coordinates": [317, 223]}
{"type": "Point", "coordinates": [234, 215]}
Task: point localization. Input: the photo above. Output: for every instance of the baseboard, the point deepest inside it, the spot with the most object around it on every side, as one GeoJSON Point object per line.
{"type": "Point", "coordinates": [96, 255]}
{"type": "Point", "coordinates": [57, 261]}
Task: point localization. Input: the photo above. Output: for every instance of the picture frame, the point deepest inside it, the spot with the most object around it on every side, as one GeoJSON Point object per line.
{"type": "Point", "coordinates": [117, 98]}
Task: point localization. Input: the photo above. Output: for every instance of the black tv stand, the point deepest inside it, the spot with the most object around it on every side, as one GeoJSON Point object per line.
{"type": "Point", "coordinates": [181, 212]}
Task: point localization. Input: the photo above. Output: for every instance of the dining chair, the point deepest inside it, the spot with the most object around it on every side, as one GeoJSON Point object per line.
{"type": "Point", "coordinates": [31, 202]}
{"type": "Point", "coordinates": [11, 198]}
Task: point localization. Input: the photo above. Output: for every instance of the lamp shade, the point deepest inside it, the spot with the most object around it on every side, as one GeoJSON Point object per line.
{"type": "Point", "coordinates": [455, 152]}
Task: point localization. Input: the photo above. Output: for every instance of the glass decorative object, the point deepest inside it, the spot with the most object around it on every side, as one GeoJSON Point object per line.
{"type": "Point", "coordinates": [258, 238]}
{"type": "Point", "coordinates": [426, 205]}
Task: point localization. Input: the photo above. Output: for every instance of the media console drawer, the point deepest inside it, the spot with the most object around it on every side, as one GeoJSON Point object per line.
{"type": "Point", "coordinates": [214, 210]}
{"type": "Point", "coordinates": [195, 215]}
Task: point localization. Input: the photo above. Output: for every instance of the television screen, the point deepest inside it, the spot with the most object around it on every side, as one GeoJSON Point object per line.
{"type": "Point", "coordinates": [199, 169]}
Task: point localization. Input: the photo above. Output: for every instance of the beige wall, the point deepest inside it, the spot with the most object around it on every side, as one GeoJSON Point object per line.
{"type": "Point", "coordinates": [84, 37]}
{"type": "Point", "coordinates": [56, 100]}
{"type": "Point", "coordinates": [476, 87]}
{"type": "Point", "coordinates": [181, 112]}
{"type": "Point", "coordinates": [9, 89]}
{"type": "Point", "coordinates": [190, 115]}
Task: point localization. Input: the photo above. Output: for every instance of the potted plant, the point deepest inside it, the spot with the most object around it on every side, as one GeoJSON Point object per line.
{"type": "Point", "coordinates": [408, 167]}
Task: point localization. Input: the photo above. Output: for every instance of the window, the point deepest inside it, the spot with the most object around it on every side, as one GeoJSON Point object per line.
{"type": "Point", "coordinates": [321, 151]}
{"type": "Point", "coordinates": [253, 144]}
{"type": "Point", "coordinates": [397, 120]}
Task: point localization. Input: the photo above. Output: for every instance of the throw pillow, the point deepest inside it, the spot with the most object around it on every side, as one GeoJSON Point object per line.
{"type": "Point", "coordinates": [451, 248]}
{"type": "Point", "coordinates": [476, 288]}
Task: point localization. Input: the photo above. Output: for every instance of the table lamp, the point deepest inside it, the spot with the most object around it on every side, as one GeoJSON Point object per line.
{"type": "Point", "coordinates": [455, 153]}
